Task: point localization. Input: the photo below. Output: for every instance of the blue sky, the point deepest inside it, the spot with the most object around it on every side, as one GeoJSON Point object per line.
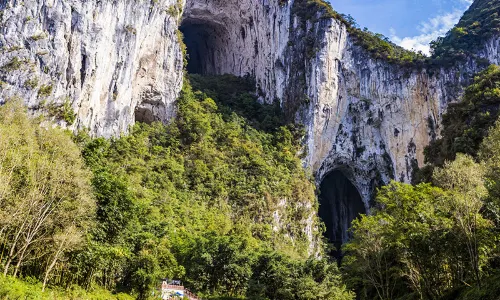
{"type": "Point", "coordinates": [409, 23]}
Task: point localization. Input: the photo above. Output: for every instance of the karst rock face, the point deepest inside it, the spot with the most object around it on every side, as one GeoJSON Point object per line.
{"type": "Point", "coordinates": [108, 59]}
{"type": "Point", "coordinates": [118, 61]}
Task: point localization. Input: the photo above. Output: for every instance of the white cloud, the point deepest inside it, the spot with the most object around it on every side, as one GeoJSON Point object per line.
{"type": "Point", "coordinates": [430, 30]}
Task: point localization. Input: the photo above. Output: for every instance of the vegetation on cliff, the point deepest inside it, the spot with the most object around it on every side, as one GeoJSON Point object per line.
{"type": "Point", "coordinates": [377, 45]}
{"type": "Point", "coordinates": [466, 123]}
{"type": "Point", "coordinates": [479, 23]}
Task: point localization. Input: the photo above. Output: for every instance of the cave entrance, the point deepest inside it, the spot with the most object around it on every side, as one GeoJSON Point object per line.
{"type": "Point", "coordinates": [205, 43]}
{"type": "Point", "coordinates": [144, 115]}
{"type": "Point", "coordinates": [340, 203]}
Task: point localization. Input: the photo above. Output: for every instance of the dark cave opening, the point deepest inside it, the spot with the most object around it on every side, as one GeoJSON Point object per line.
{"type": "Point", "coordinates": [144, 115]}
{"type": "Point", "coordinates": [340, 203]}
{"type": "Point", "coordinates": [204, 42]}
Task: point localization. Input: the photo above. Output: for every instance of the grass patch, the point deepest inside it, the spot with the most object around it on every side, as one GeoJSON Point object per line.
{"type": "Point", "coordinates": [13, 288]}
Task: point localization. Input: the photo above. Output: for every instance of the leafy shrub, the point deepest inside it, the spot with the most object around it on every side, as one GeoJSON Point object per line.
{"type": "Point", "coordinates": [467, 122]}
{"type": "Point", "coordinates": [45, 90]}
{"type": "Point", "coordinates": [62, 111]}
{"type": "Point", "coordinates": [31, 83]}
{"type": "Point", "coordinates": [14, 64]}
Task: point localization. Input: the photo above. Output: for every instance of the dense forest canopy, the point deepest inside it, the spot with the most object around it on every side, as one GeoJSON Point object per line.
{"type": "Point", "coordinates": [195, 200]}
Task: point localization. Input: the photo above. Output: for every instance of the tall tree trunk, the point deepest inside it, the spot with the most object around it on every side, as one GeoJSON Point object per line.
{"type": "Point", "coordinates": [52, 264]}
{"type": "Point", "coordinates": [6, 268]}
{"type": "Point", "coordinates": [12, 250]}
{"type": "Point", "coordinates": [19, 261]}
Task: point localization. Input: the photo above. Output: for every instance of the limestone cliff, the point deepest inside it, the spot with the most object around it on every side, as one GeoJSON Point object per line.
{"type": "Point", "coordinates": [371, 118]}
{"type": "Point", "coordinates": [242, 38]}
{"type": "Point", "coordinates": [114, 62]}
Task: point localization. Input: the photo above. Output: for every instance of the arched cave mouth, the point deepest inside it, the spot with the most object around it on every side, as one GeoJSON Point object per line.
{"type": "Point", "coordinates": [205, 42]}
{"type": "Point", "coordinates": [340, 203]}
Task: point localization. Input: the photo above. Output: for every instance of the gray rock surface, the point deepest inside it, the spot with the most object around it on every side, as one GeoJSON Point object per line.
{"type": "Point", "coordinates": [372, 119]}
{"type": "Point", "coordinates": [107, 59]}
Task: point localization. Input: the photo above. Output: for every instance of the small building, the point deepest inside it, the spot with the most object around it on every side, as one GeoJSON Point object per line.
{"type": "Point", "coordinates": [174, 290]}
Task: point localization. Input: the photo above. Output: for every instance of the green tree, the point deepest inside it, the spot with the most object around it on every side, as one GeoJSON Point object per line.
{"type": "Point", "coordinates": [46, 205]}
{"type": "Point", "coordinates": [219, 265]}
{"type": "Point", "coordinates": [490, 156]}
{"type": "Point", "coordinates": [277, 276]}
{"type": "Point", "coordinates": [398, 242]}
{"type": "Point", "coordinates": [370, 259]}
{"type": "Point", "coordinates": [417, 236]}
{"type": "Point", "coordinates": [464, 179]}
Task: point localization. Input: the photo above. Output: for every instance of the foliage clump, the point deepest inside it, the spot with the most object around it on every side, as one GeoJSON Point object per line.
{"type": "Point", "coordinates": [466, 123]}
{"type": "Point", "coordinates": [31, 83]}
{"type": "Point", "coordinates": [45, 90]}
{"type": "Point", "coordinates": [14, 64]}
{"type": "Point", "coordinates": [62, 111]}
{"type": "Point", "coordinates": [479, 23]}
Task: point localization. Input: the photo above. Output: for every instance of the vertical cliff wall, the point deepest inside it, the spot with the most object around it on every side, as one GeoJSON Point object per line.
{"type": "Point", "coordinates": [110, 61]}
{"type": "Point", "coordinates": [370, 117]}
{"type": "Point", "coordinates": [117, 61]}
{"type": "Point", "coordinates": [114, 62]}
{"type": "Point", "coordinates": [240, 37]}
